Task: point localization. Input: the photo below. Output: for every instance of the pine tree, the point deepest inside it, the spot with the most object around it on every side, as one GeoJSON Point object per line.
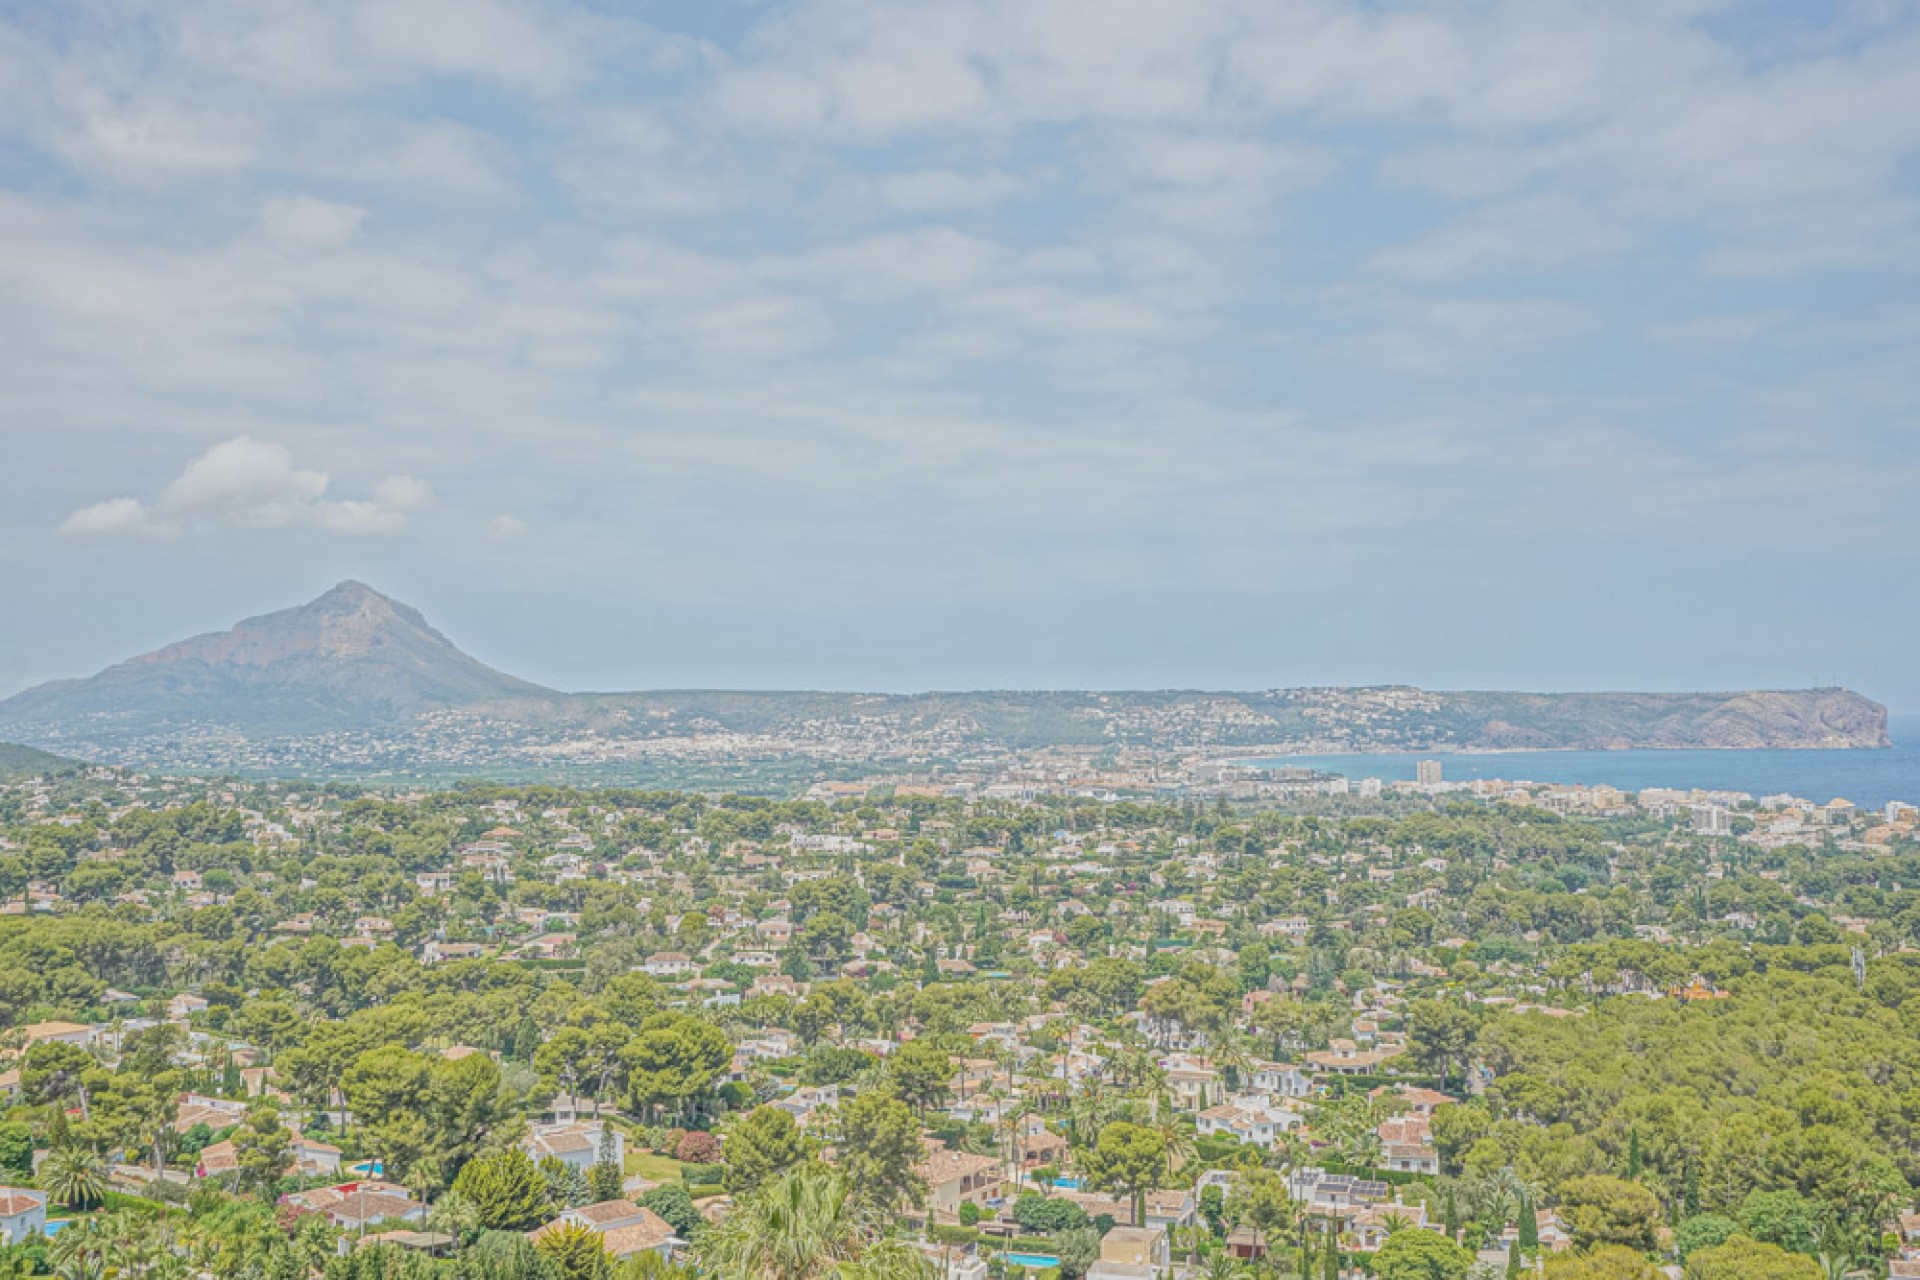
{"type": "Point", "coordinates": [526, 1041]}
{"type": "Point", "coordinates": [60, 1130]}
{"type": "Point", "coordinates": [605, 1183]}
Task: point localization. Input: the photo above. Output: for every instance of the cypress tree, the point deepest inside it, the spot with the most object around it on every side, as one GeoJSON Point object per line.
{"type": "Point", "coordinates": [1333, 1251]}
{"type": "Point", "coordinates": [1513, 1260]}
{"type": "Point", "coordinates": [1690, 1191]}
{"type": "Point", "coordinates": [1529, 1240]}
{"type": "Point", "coordinates": [1451, 1219]}
{"type": "Point", "coordinates": [1633, 1155]}
{"type": "Point", "coordinates": [505, 1189]}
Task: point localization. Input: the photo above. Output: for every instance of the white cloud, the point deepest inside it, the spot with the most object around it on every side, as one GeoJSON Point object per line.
{"type": "Point", "coordinates": [394, 499]}
{"type": "Point", "coordinates": [246, 483]}
{"type": "Point", "coordinates": [112, 516]}
{"type": "Point", "coordinates": [506, 526]}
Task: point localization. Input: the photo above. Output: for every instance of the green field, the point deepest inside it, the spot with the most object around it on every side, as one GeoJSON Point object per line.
{"type": "Point", "coordinates": [653, 1167]}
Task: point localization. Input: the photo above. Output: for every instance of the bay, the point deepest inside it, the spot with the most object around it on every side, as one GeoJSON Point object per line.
{"type": "Point", "coordinates": [1868, 778]}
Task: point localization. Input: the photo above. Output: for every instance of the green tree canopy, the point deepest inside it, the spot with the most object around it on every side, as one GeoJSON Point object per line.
{"type": "Point", "coordinates": [1415, 1254]}
{"type": "Point", "coordinates": [1599, 1209]}
{"type": "Point", "coordinates": [1743, 1258]}
{"type": "Point", "coordinates": [762, 1144]}
{"type": "Point", "coordinates": [506, 1190]}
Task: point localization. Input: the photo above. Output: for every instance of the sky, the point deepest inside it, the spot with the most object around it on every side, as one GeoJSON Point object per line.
{"type": "Point", "coordinates": [907, 344]}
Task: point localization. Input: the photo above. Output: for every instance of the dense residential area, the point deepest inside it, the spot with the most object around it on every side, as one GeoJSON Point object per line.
{"type": "Point", "coordinates": [286, 1030]}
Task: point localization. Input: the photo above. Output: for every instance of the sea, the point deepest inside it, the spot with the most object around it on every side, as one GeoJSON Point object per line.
{"type": "Point", "coordinates": [1867, 778]}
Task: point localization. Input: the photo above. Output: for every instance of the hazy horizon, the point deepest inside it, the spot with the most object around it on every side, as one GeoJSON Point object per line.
{"type": "Point", "coordinates": [830, 344]}
{"type": "Point", "coordinates": [1894, 713]}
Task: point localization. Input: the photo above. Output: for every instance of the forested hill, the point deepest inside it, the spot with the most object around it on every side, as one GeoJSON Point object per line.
{"type": "Point", "coordinates": [20, 762]}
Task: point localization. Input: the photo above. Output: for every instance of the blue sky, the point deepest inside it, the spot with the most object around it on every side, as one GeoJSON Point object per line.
{"type": "Point", "coordinates": [962, 343]}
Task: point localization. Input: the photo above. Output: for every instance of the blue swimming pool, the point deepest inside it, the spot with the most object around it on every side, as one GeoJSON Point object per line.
{"type": "Point", "coordinates": [1067, 1184]}
{"type": "Point", "coordinates": [54, 1225]}
{"type": "Point", "coordinates": [1036, 1261]}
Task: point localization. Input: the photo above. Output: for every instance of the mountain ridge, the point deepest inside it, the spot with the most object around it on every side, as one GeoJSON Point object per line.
{"type": "Point", "coordinates": [356, 662]}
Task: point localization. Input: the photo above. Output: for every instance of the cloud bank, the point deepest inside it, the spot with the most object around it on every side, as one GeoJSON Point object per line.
{"type": "Point", "coordinates": [1288, 318]}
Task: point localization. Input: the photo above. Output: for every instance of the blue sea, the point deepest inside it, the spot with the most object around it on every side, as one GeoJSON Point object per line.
{"type": "Point", "coordinates": [1868, 778]}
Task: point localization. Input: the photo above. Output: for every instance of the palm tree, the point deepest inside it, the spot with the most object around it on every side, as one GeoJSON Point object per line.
{"type": "Point", "coordinates": [807, 1225]}
{"type": "Point", "coordinates": [1393, 1221]}
{"type": "Point", "coordinates": [1174, 1138]}
{"type": "Point", "coordinates": [455, 1215]}
{"type": "Point", "coordinates": [1233, 1053]}
{"type": "Point", "coordinates": [76, 1177]}
{"type": "Point", "coordinates": [1089, 1111]}
{"type": "Point", "coordinates": [79, 1252]}
{"type": "Point", "coordinates": [1222, 1266]}
{"type": "Point", "coordinates": [1008, 1126]}
{"type": "Point", "coordinates": [1155, 1082]}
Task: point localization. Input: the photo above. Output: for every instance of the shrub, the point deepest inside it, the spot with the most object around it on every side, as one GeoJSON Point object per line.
{"type": "Point", "coordinates": [1046, 1215]}
{"type": "Point", "coordinates": [698, 1147]}
{"type": "Point", "coordinates": [1031, 1244]}
{"type": "Point", "coordinates": [1703, 1231]}
{"type": "Point", "coordinates": [676, 1206]}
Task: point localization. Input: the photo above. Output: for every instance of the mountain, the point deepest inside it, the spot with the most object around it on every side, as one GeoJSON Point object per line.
{"type": "Point", "coordinates": [351, 659]}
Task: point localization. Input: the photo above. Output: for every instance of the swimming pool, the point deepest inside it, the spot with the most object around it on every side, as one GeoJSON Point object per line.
{"type": "Point", "coordinates": [1067, 1184]}
{"type": "Point", "coordinates": [1035, 1261]}
{"type": "Point", "coordinates": [53, 1226]}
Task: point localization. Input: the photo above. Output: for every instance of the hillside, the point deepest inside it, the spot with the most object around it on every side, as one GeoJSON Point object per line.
{"type": "Point", "coordinates": [1394, 718]}
{"type": "Point", "coordinates": [17, 761]}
